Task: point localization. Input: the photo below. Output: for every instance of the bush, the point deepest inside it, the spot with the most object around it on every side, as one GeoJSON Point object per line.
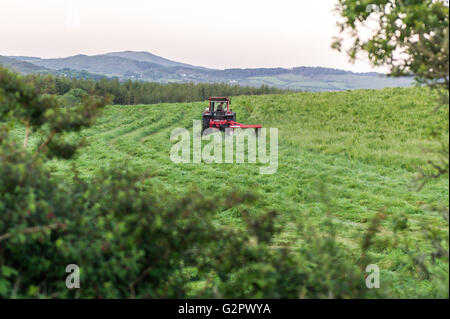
{"type": "Point", "coordinates": [73, 97]}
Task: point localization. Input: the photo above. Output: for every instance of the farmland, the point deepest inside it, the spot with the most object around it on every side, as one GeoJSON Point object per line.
{"type": "Point", "coordinates": [343, 157]}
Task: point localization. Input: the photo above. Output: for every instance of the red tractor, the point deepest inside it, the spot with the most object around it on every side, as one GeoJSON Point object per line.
{"type": "Point", "coordinates": [219, 116]}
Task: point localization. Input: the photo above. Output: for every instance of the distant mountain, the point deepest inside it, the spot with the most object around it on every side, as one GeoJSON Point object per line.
{"type": "Point", "coordinates": [149, 67]}
{"type": "Point", "coordinates": [21, 66]}
{"type": "Point", "coordinates": [25, 58]}
{"type": "Point", "coordinates": [151, 58]}
{"type": "Point", "coordinates": [30, 68]}
{"type": "Point", "coordinates": [101, 64]}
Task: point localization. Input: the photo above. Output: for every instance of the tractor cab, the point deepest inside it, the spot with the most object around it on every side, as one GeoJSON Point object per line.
{"type": "Point", "coordinates": [219, 107]}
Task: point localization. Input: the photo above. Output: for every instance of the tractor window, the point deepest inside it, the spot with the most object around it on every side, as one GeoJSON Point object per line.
{"type": "Point", "coordinates": [219, 105]}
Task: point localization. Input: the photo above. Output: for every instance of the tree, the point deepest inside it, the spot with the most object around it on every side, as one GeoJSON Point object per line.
{"type": "Point", "coordinates": [42, 112]}
{"type": "Point", "coordinates": [407, 36]}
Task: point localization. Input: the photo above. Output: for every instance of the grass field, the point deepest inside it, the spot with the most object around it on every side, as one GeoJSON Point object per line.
{"type": "Point", "coordinates": [359, 148]}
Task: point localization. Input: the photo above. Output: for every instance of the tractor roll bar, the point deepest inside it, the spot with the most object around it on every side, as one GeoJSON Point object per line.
{"type": "Point", "coordinates": [220, 99]}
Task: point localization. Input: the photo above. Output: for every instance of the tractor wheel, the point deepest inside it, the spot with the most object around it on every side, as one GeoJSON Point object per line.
{"type": "Point", "coordinates": [205, 123]}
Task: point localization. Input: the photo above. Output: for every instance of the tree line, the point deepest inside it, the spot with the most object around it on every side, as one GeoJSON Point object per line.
{"type": "Point", "coordinates": [138, 92]}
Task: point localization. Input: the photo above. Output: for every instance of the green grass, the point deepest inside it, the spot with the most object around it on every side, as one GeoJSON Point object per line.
{"type": "Point", "coordinates": [363, 147]}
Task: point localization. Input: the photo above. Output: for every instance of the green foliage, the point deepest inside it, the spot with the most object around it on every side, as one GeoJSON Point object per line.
{"type": "Point", "coordinates": [409, 36]}
{"type": "Point", "coordinates": [152, 228]}
{"type": "Point", "coordinates": [73, 97]}
{"type": "Point", "coordinates": [20, 101]}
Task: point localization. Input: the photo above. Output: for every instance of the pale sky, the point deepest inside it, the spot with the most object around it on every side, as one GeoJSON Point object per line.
{"type": "Point", "coordinates": [211, 33]}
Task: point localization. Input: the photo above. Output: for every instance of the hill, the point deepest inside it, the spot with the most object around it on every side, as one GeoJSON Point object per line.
{"type": "Point", "coordinates": [151, 58]}
{"type": "Point", "coordinates": [106, 65]}
{"type": "Point", "coordinates": [24, 67]}
{"type": "Point", "coordinates": [359, 149]}
{"type": "Point", "coordinates": [21, 66]}
{"type": "Point", "coordinates": [149, 67]}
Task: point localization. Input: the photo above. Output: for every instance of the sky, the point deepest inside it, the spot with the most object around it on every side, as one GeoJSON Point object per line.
{"type": "Point", "coordinates": [211, 33]}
